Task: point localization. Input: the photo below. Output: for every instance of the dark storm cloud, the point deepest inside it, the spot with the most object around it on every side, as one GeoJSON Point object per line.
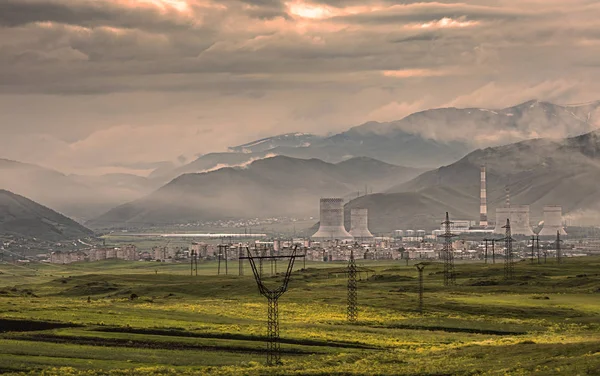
{"type": "Point", "coordinates": [14, 13]}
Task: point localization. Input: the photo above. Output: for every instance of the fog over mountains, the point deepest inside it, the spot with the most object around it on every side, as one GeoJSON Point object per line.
{"type": "Point", "coordinates": [425, 139]}
{"type": "Point", "coordinates": [538, 172]}
{"type": "Point", "coordinates": [271, 187]}
{"type": "Point", "coordinates": [79, 197]}
{"type": "Point", "coordinates": [250, 181]}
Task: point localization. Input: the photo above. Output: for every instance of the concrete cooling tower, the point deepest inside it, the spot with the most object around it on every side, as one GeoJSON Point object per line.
{"type": "Point", "coordinates": [332, 220]}
{"type": "Point", "coordinates": [359, 224]}
{"type": "Point", "coordinates": [552, 221]}
{"type": "Point", "coordinates": [519, 220]}
{"type": "Point", "coordinates": [502, 214]}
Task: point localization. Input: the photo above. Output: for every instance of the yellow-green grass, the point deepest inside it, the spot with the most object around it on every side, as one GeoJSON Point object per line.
{"type": "Point", "coordinates": [546, 321]}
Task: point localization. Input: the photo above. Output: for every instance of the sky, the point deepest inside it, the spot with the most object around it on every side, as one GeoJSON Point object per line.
{"type": "Point", "coordinates": [94, 86]}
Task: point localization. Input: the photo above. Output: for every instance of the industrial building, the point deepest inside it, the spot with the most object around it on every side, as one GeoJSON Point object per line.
{"type": "Point", "coordinates": [331, 226]}
{"type": "Point", "coordinates": [359, 224]}
{"type": "Point", "coordinates": [520, 222]}
{"type": "Point", "coordinates": [552, 222]}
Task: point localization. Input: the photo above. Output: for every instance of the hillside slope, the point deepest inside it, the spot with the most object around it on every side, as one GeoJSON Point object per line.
{"type": "Point", "coordinates": [79, 197]}
{"type": "Point", "coordinates": [537, 172]}
{"type": "Point", "coordinates": [25, 218]}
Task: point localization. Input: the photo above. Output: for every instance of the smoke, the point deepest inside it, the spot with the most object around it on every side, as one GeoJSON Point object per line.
{"type": "Point", "coordinates": [239, 165]}
{"type": "Point", "coordinates": [582, 217]}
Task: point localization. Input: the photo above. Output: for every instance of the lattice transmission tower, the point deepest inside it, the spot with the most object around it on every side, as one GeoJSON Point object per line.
{"type": "Point", "coordinates": [272, 295]}
{"type": "Point", "coordinates": [352, 289]}
{"type": "Point", "coordinates": [509, 264]}
{"type": "Point", "coordinates": [448, 253]}
{"type": "Point", "coordinates": [420, 267]}
{"type": "Point", "coordinates": [558, 249]}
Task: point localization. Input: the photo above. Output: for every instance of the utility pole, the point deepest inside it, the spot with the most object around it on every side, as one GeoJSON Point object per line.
{"type": "Point", "coordinates": [192, 262]}
{"type": "Point", "coordinates": [226, 268]}
{"type": "Point", "coordinates": [532, 245]}
{"type": "Point", "coordinates": [219, 255]}
{"type": "Point", "coordinates": [240, 259]}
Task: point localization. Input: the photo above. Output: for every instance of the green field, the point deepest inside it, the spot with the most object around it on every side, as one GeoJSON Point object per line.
{"type": "Point", "coordinates": [545, 322]}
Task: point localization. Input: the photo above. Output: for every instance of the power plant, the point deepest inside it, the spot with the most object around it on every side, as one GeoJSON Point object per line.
{"type": "Point", "coordinates": [519, 220]}
{"type": "Point", "coordinates": [552, 221]}
{"type": "Point", "coordinates": [331, 226]}
{"type": "Point", "coordinates": [359, 224]}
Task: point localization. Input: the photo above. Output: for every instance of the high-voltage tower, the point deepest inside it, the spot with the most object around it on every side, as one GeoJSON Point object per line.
{"type": "Point", "coordinates": [273, 345]}
{"type": "Point", "coordinates": [533, 242]}
{"type": "Point", "coordinates": [493, 241]}
{"type": "Point", "coordinates": [193, 262]}
{"type": "Point", "coordinates": [448, 253]}
{"type": "Point", "coordinates": [420, 267]}
{"type": "Point", "coordinates": [509, 263]}
{"type": "Point", "coordinates": [352, 287]}
{"type": "Point", "coordinates": [558, 249]}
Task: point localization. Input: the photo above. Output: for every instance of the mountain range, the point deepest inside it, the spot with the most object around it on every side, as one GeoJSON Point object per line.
{"type": "Point", "coordinates": [22, 217]}
{"type": "Point", "coordinates": [426, 139]}
{"type": "Point", "coordinates": [423, 140]}
{"type": "Point", "coordinates": [537, 172]}
{"type": "Point", "coordinates": [271, 187]}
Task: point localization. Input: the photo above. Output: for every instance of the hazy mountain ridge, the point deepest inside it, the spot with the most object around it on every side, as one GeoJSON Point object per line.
{"type": "Point", "coordinates": [285, 140]}
{"type": "Point", "coordinates": [276, 186]}
{"type": "Point", "coordinates": [76, 196]}
{"type": "Point", "coordinates": [538, 172]}
{"type": "Point", "coordinates": [424, 139]}
{"type": "Point", "coordinates": [23, 217]}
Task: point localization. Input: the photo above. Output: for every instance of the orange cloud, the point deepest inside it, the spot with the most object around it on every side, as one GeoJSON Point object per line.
{"type": "Point", "coordinates": [409, 73]}
{"type": "Point", "coordinates": [307, 10]}
{"type": "Point", "coordinates": [444, 23]}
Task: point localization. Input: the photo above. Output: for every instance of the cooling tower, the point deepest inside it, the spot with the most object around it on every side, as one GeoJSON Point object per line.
{"type": "Point", "coordinates": [483, 219]}
{"type": "Point", "coordinates": [359, 224]}
{"type": "Point", "coordinates": [502, 214]}
{"type": "Point", "coordinates": [519, 220]}
{"type": "Point", "coordinates": [552, 221]}
{"type": "Point", "coordinates": [332, 220]}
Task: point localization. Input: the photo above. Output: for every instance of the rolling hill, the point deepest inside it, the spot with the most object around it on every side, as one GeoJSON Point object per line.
{"type": "Point", "coordinates": [537, 172]}
{"type": "Point", "coordinates": [272, 187]}
{"type": "Point", "coordinates": [22, 217]}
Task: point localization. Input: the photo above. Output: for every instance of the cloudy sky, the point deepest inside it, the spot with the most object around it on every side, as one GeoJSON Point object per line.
{"type": "Point", "coordinates": [103, 85]}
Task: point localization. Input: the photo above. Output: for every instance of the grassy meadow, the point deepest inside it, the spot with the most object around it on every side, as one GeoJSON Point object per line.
{"type": "Point", "coordinates": [80, 319]}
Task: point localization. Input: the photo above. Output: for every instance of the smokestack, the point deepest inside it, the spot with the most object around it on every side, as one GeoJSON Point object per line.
{"type": "Point", "coordinates": [483, 220]}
